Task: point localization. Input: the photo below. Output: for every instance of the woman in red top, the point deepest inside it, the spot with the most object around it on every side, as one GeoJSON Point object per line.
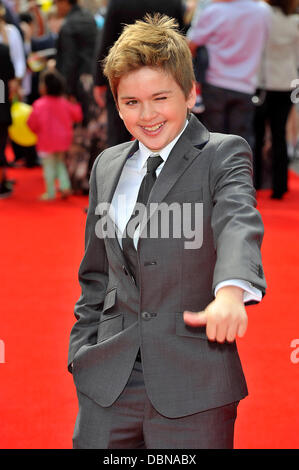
{"type": "Point", "coordinates": [52, 121]}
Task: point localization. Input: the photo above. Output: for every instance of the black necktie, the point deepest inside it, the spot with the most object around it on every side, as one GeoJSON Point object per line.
{"type": "Point", "coordinates": [144, 191]}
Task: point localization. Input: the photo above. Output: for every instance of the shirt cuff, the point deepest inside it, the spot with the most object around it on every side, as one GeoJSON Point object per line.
{"type": "Point", "coordinates": [250, 293]}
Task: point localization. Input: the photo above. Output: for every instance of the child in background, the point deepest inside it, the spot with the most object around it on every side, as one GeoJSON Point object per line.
{"type": "Point", "coordinates": [52, 121]}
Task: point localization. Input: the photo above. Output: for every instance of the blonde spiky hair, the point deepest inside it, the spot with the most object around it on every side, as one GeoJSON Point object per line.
{"type": "Point", "coordinates": [154, 42]}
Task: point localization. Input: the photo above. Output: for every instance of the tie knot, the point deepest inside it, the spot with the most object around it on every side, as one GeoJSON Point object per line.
{"type": "Point", "coordinates": [153, 162]}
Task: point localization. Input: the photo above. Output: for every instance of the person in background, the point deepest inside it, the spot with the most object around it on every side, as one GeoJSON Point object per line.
{"type": "Point", "coordinates": [34, 43]}
{"type": "Point", "coordinates": [52, 119]}
{"type": "Point", "coordinates": [16, 48]}
{"type": "Point", "coordinates": [75, 49]}
{"type": "Point", "coordinates": [6, 75]}
{"type": "Point", "coordinates": [11, 15]}
{"type": "Point", "coordinates": [200, 56]}
{"type": "Point", "coordinates": [31, 24]}
{"type": "Point", "coordinates": [18, 58]}
{"type": "Point", "coordinates": [74, 60]}
{"type": "Point", "coordinates": [278, 69]}
{"type": "Point", "coordinates": [234, 33]}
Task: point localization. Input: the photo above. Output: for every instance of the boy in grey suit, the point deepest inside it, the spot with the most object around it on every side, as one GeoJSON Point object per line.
{"type": "Point", "coordinates": [172, 254]}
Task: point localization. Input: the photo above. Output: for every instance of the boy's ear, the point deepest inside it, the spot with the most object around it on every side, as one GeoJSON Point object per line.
{"type": "Point", "coordinates": [117, 107]}
{"type": "Point", "coordinates": [192, 96]}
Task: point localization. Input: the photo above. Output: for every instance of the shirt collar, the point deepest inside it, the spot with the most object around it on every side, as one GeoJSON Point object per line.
{"type": "Point", "coordinates": [144, 152]}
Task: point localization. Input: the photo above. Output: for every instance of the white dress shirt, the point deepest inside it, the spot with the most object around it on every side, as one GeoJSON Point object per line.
{"type": "Point", "coordinates": [125, 196]}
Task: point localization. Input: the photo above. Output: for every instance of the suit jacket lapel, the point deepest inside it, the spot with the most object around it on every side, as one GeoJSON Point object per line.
{"type": "Point", "coordinates": [109, 174]}
{"type": "Point", "coordinates": [188, 147]}
{"type": "Point", "coordinates": [108, 178]}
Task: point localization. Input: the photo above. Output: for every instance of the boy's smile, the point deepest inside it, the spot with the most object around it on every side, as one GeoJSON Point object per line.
{"type": "Point", "coordinates": [153, 106]}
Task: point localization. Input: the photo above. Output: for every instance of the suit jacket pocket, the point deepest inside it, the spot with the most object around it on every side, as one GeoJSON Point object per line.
{"type": "Point", "coordinates": [190, 195]}
{"type": "Point", "coordinates": [109, 326]}
{"type": "Point", "coordinates": [182, 329]}
{"type": "Point", "coordinates": [110, 299]}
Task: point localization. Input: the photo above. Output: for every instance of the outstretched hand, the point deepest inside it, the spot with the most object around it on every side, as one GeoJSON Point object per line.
{"type": "Point", "coordinates": [225, 318]}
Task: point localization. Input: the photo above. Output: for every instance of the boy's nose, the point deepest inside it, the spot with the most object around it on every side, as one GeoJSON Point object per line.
{"type": "Point", "coordinates": [147, 112]}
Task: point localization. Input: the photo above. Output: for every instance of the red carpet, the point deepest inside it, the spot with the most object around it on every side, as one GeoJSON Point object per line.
{"type": "Point", "coordinates": [269, 417]}
{"type": "Point", "coordinates": [41, 247]}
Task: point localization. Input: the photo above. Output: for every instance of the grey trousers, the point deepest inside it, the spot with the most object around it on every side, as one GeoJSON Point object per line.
{"type": "Point", "coordinates": [133, 423]}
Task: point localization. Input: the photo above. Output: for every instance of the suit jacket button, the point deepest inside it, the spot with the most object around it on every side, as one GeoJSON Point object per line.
{"type": "Point", "coordinates": [148, 315]}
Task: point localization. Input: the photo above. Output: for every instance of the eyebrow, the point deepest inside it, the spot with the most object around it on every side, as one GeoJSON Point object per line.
{"type": "Point", "coordinates": [162, 92]}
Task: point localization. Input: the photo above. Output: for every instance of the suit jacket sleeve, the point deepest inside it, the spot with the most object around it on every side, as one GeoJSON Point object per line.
{"type": "Point", "coordinates": [93, 279]}
{"type": "Point", "coordinates": [237, 225]}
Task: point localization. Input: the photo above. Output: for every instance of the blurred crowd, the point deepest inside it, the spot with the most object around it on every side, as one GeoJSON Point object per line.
{"type": "Point", "coordinates": [57, 111]}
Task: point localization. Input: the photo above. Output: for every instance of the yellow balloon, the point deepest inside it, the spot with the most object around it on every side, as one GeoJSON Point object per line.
{"type": "Point", "coordinates": [19, 132]}
{"type": "Point", "coordinates": [35, 63]}
{"type": "Point", "coordinates": [45, 5]}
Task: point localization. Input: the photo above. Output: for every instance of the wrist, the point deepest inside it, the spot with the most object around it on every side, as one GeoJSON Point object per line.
{"type": "Point", "coordinates": [230, 292]}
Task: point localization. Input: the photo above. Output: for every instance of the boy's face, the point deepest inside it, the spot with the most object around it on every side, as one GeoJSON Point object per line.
{"type": "Point", "coordinates": [153, 106]}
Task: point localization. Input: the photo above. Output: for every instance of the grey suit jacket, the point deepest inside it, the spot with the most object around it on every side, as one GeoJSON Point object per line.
{"type": "Point", "coordinates": [184, 372]}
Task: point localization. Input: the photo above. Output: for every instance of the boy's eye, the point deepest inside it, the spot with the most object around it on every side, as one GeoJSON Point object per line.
{"type": "Point", "coordinates": [161, 98]}
{"type": "Point", "coordinates": [131, 102]}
